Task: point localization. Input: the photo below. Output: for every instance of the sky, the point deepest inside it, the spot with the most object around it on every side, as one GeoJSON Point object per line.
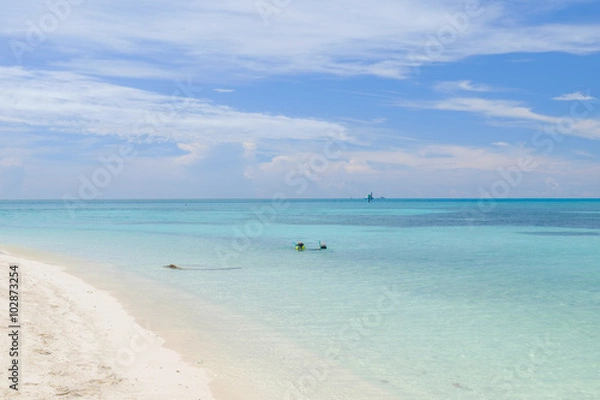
{"type": "Point", "coordinates": [299, 99]}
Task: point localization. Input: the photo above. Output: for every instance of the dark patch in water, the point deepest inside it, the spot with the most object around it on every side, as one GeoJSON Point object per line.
{"type": "Point", "coordinates": [503, 214]}
{"type": "Point", "coordinates": [562, 233]}
{"type": "Point", "coordinates": [174, 266]}
{"type": "Point", "coordinates": [461, 386]}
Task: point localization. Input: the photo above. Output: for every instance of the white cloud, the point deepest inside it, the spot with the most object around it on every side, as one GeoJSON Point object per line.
{"type": "Point", "coordinates": [582, 153]}
{"type": "Point", "coordinates": [587, 128]}
{"type": "Point", "coordinates": [575, 96]}
{"type": "Point", "coordinates": [218, 90]}
{"type": "Point", "coordinates": [10, 162]}
{"type": "Point", "coordinates": [421, 158]}
{"type": "Point", "coordinates": [577, 123]}
{"type": "Point", "coordinates": [493, 108]}
{"type": "Point", "coordinates": [119, 68]}
{"type": "Point", "coordinates": [229, 38]}
{"type": "Point", "coordinates": [465, 85]}
{"type": "Point", "coordinates": [446, 169]}
{"type": "Point", "coordinates": [447, 157]}
{"type": "Point", "coordinates": [194, 152]}
{"type": "Point", "coordinates": [72, 103]}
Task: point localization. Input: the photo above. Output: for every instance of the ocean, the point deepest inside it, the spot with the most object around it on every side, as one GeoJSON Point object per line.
{"type": "Point", "coordinates": [412, 299]}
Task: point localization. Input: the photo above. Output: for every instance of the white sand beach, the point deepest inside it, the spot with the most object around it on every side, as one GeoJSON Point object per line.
{"type": "Point", "coordinates": [78, 342]}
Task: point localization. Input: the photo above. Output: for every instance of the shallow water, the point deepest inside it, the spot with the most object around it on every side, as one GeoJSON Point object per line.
{"type": "Point", "coordinates": [423, 299]}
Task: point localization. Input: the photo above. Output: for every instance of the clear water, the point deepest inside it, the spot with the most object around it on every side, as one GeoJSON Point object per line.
{"type": "Point", "coordinates": [413, 299]}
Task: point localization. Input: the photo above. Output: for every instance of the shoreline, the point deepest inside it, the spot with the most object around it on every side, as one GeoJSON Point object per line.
{"type": "Point", "coordinates": [252, 362]}
{"type": "Point", "coordinates": [76, 341]}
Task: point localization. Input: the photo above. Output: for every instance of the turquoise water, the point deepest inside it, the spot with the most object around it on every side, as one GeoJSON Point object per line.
{"type": "Point", "coordinates": [413, 299]}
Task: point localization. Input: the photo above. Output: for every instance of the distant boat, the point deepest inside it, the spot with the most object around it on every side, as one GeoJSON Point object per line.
{"type": "Point", "coordinates": [370, 197]}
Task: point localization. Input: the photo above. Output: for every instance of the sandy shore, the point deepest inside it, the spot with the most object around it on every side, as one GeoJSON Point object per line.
{"type": "Point", "coordinates": [78, 342]}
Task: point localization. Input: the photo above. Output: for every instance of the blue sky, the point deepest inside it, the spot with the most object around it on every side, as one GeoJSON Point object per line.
{"type": "Point", "coordinates": [249, 98]}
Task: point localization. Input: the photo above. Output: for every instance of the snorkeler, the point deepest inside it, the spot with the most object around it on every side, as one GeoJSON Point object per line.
{"type": "Point", "coordinates": [300, 246]}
